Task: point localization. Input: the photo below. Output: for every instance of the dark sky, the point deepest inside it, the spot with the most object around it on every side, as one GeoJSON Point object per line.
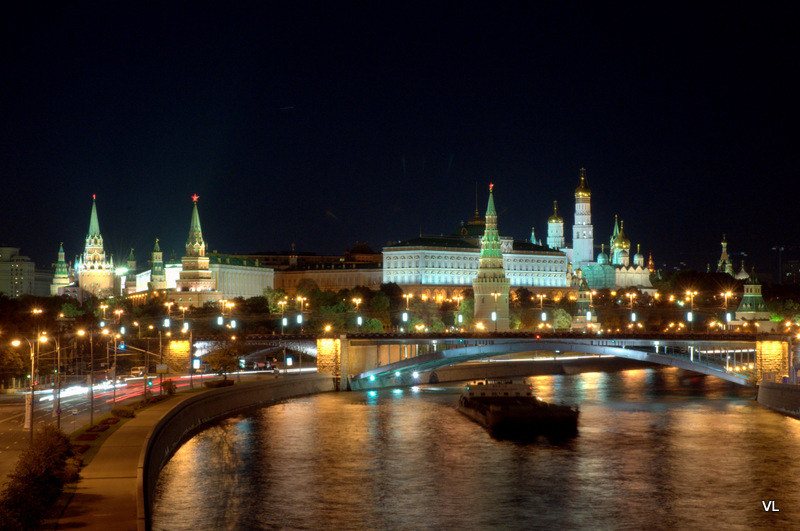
{"type": "Point", "coordinates": [326, 124]}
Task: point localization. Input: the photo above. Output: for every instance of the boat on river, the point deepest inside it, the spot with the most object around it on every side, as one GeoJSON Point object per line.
{"type": "Point", "coordinates": [510, 410]}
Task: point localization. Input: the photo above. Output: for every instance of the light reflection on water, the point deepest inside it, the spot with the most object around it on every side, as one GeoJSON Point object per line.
{"type": "Point", "coordinates": [653, 451]}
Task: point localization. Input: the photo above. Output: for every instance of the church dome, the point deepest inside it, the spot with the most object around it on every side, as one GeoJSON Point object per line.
{"type": "Point", "coordinates": [555, 218]}
{"type": "Point", "coordinates": [621, 242]}
{"type": "Point", "coordinates": [583, 189]}
{"type": "Point", "coordinates": [602, 259]}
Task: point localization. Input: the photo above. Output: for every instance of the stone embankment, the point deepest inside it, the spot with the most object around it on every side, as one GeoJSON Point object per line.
{"type": "Point", "coordinates": [780, 397]}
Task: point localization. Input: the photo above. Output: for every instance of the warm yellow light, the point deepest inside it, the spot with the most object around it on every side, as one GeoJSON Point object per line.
{"type": "Point", "coordinates": [327, 328]}
{"type": "Point", "coordinates": [16, 342]}
{"type": "Point", "coordinates": [105, 332]}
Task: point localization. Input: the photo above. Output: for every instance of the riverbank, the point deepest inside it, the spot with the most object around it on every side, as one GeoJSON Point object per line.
{"type": "Point", "coordinates": [115, 488]}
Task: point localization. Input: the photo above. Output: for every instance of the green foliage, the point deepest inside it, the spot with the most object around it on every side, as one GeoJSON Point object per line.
{"type": "Point", "coordinates": [372, 326]}
{"type": "Point", "coordinates": [71, 310]}
{"type": "Point", "coordinates": [467, 311]}
{"type": "Point", "coordinates": [437, 326]}
{"type": "Point", "coordinates": [37, 480]}
{"type": "Point", "coordinates": [12, 364]}
{"type": "Point", "coordinates": [273, 296]}
{"type": "Point", "coordinates": [562, 320]}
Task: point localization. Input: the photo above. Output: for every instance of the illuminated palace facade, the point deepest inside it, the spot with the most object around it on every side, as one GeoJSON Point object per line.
{"type": "Point", "coordinates": [441, 267]}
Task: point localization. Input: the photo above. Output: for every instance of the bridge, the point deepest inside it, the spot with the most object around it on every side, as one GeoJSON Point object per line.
{"type": "Point", "coordinates": [367, 361]}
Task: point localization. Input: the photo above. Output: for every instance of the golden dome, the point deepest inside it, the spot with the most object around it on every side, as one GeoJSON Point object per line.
{"type": "Point", "coordinates": [555, 218]}
{"type": "Point", "coordinates": [621, 242]}
{"type": "Point", "coordinates": [583, 190]}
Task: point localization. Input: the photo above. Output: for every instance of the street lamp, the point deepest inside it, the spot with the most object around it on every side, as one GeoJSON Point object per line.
{"type": "Point", "coordinates": [302, 302]}
{"type": "Point", "coordinates": [494, 315]}
{"type": "Point", "coordinates": [104, 307]}
{"type": "Point", "coordinates": [691, 295]}
{"type": "Point", "coordinates": [408, 297]}
{"type": "Point", "coordinates": [119, 313]}
{"type": "Point", "coordinates": [631, 297]}
{"type": "Point", "coordinates": [169, 308]}
{"type": "Point", "coordinates": [183, 309]}
{"type": "Point", "coordinates": [191, 357]}
{"type": "Point", "coordinates": [282, 304]}
{"type": "Point", "coordinates": [726, 295]}
{"type": "Point", "coordinates": [29, 403]}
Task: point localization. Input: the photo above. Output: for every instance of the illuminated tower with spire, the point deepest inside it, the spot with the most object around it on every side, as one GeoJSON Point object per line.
{"type": "Point", "coordinates": [195, 274]}
{"type": "Point", "coordinates": [61, 278]}
{"type": "Point", "coordinates": [555, 229]}
{"type": "Point", "coordinates": [95, 273]}
{"type": "Point", "coordinates": [582, 230]}
{"type": "Point", "coordinates": [491, 287]}
{"type": "Point", "coordinates": [724, 264]}
{"type": "Point", "coordinates": [158, 278]}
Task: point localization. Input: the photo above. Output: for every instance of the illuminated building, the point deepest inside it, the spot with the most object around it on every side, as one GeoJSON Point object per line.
{"type": "Point", "coordinates": [724, 265]}
{"type": "Point", "coordinates": [95, 273]}
{"type": "Point", "coordinates": [17, 273]}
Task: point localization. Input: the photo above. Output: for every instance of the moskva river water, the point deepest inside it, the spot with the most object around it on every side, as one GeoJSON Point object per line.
{"type": "Point", "coordinates": [654, 451]}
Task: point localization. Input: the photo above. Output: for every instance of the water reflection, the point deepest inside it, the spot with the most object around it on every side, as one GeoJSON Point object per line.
{"type": "Point", "coordinates": [654, 450]}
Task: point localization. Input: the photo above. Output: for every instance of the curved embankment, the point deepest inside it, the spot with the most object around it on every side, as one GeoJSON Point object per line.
{"type": "Point", "coordinates": [192, 414]}
{"type": "Point", "coordinates": [780, 397]}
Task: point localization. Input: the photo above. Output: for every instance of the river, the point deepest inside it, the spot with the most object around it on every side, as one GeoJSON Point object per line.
{"type": "Point", "coordinates": [654, 451]}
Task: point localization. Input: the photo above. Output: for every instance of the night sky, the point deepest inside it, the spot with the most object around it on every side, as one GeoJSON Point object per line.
{"type": "Point", "coordinates": [327, 124]}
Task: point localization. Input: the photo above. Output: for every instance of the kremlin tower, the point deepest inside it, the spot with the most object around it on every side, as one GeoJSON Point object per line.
{"type": "Point", "coordinates": [61, 278]}
{"type": "Point", "coordinates": [95, 273]}
{"type": "Point", "coordinates": [491, 286]}
{"type": "Point", "coordinates": [195, 275]}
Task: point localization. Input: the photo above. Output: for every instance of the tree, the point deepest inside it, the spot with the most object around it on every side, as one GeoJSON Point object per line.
{"type": "Point", "coordinates": [562, 320]}
{"type": "Point", "coordinates": [372, 326]}
{"type": "Point", "coordinates": [71, 310]}
{"type": "Point", "coordinates": [467, 312]}
{"type": "Point", "coordinates": [11, 364]}
{"type": "Point", "coordinates": [225, 359]}
{"type": "Point", "coordinates": [273, 296]}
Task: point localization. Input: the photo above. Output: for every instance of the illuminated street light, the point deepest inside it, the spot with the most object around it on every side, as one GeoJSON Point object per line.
{"type": "Point", "coordinates": [408, 297]}
{"type": "Point", "coordinates": [494, 315]}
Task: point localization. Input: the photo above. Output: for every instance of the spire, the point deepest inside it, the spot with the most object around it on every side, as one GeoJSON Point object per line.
{"type": "Point", "coordinates": [490, 243]}
{"type": "Point", "coordinates": [131, 257]}
{"type": "Point", "coordinates": [94, 225]}
{"type": "Point", "coordinates": [195, 239]}
{"type": "Point", "coordinates": [156, 248]}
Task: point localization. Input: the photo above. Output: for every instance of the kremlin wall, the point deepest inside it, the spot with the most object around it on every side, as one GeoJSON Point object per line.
{"type": "Point", "coordinates": [475, 256]}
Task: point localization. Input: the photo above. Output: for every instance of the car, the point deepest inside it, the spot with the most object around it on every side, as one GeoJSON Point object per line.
{"type": "Point", "coordinates": [137, 371]}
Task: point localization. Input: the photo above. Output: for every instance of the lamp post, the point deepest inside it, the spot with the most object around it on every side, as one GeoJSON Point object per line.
{"type": "Point", "coordinates": [282, 304]}
{"type": "Point", "coordinates": [495, 295]}
{"type": "Point", "coordinates": [104, 307]}
{"type": "Point", "coordinates": [302, 302]}
{"type": "Point", "coordinates": [191, 358]}
{"type": "Point", "coordinates": [631, 297]}
{"type": "Point", "coordinates": [408, 297]}
{"type": "Point", "coordinates": [118, 312]}
{"type": "Point", "coordinates": [183, 317]}
{"type": "Point", "coordinates": [29, 403]}
{"type": "Point", "coordinates": [691, 295]}
{"type": "Point", "coordinates": [91, 374]}
{"type": "Point", "coordinates": [725, 311]}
